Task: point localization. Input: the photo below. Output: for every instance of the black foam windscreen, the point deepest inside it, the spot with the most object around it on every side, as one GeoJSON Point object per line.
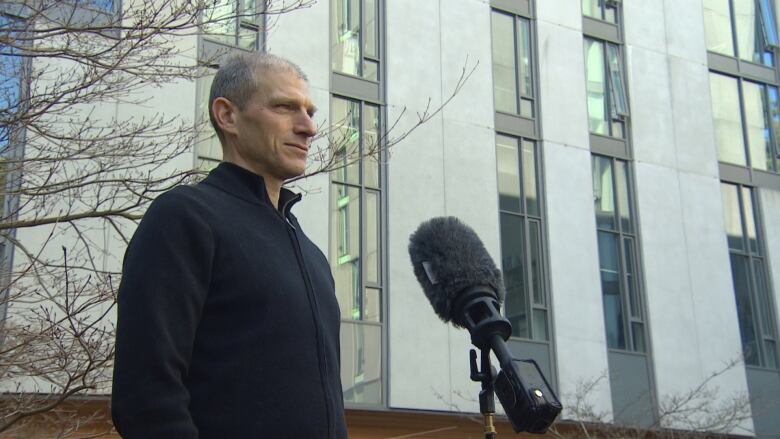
{"type": "Point", "coordinates": [449, 258]}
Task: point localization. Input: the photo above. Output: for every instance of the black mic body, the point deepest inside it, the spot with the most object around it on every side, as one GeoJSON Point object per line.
{"type": "Point", "coordinates": [465, 287]}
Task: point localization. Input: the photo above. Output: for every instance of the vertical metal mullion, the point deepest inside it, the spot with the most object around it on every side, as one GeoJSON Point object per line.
{"type": "Point", "coordinates": [516, 39]}
{"type": "Point", "coordinates": [745, 138]}
{"type": "Point", "coordinates": [362, 216]}
{"type": "Point", "coordinates": [361, 42]}
{"type": "Point", "coordinates": [608, 89]}
{"type": "Point", "coordinates": [529, 301]}
{"type": "Point", "coordinates": [628, 331]}
{"type": "Point", "coordinates": [757, 330]}
{"type": "Point", "coordinates": [733, 19]}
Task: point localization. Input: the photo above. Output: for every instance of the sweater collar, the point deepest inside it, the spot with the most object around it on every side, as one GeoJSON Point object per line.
{"type": "Point", "coordinates": [248, 186]}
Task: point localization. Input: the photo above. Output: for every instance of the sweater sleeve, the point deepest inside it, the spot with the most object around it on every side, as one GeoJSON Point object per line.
{"type": "Point", "coordinates": [165, 281]}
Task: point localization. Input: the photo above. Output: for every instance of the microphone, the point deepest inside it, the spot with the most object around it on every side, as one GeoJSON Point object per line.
{"type": "Point", "coordinates": [465, 287]}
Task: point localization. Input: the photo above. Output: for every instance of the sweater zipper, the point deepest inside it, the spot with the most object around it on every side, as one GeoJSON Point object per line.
{"type": "Point", "coordinates": [292, 231]}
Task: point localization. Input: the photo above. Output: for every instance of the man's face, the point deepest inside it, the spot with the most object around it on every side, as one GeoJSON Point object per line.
{"type": "Point", "coordinates": [275, 127]}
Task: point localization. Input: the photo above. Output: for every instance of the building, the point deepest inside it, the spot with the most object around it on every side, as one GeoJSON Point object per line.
{"type": "Point", "coordinates": [619, 159]}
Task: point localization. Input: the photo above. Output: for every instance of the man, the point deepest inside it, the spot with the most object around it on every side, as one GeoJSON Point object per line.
{"type": "Point", "coordinates": [228, 325]}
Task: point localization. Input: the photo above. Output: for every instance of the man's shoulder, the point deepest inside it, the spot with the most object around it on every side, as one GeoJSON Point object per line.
{"type": "Point", "coordinates": [182, 200]}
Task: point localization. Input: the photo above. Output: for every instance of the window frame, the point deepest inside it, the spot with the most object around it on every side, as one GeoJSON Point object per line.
{"type": "Point", "coordinates": [364, 190]}
{"type": "Point", "coordinates": [528, 293]}
{"type": "Point", "coordinates": [628, 317]}
{"type": "Point", "coordinates": [509, 123]}
{"type": "Point", "coordinates": [760, 317]}
{"type": "Point", "coordinates": [216, 44]}
{"type": "Point", "coordinates": [615, 95]}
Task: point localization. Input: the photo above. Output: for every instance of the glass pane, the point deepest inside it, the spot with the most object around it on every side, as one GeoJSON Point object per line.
{"type": "Point", "coordinates": [540, 325]}
{"type": "Point", "coordinates": [219, 21]}
{"type": "Point", "coordinates": [623, 198]}
{"type": "Point", "coordinates": [749, 219]}
{"type": "Point", "coordinates": [591, 8]}
{"type": "Point", "coordinates": [770, 353]}
{"type": "Point", "coordinates": [638, 333]}
{"type": "Point", "coordinates": [372, 305]}
{"type": "Point", "coordinates": [207, 147]}
{"type": "Point", "coordinates": [749, 35]}
{"type": "Point", "coordinates": [727, 120]}
{"type": "Point", "coordinates": [345, 18]}
{"type": "Point", "coordinates": [717, 27]}
{"type": "Point", "coordinates": [535, 260]}
{"type": "Point", "coordinates": [371, 44]}
{"type": "Point", "coordinates": [249, 11]}
{"type": "Point", "coordinates": [371, 70]}
{"type": "Point", "coordinates": [373, 243]}
{"type": "Point", "coordinates": [617, 88]}
{"type": "Point", "coordinates": [764, 304]}
{"type": "Point", "coordinates": [756, 123]}
{"type": "Point", "coordinates": [512, 266]}
{"type": "Point", "coordinates": [774, 115]}
{"type": "Point", "coordinates": [345, 248]}
{"type": "Point", "coordinates": [595, 82]}
{"type": "Point", "coordinates": [732, 216]}
{"type": "Point", "coordinates": [768, 23]}
{"type": "Point", "coordinates": [529, 179]}
{"type": "Point", "coordinates": [361, 363]}
{"type": "Point", "coordinates": [504, 67]}
{"type": "Point", "coordinates": [345, 118]}
{"type": "Point", "coordinates": [610, 13]}
{"type": "Point", "coordinates": [526, 107]}
{"type": "Point", "coordinates": [507, 161]}
{"type": "Point", "coordinates": [248, 38]}
{"type": "Point", "coordinates": [603, 193]}
{"type": "Point", "coordinates": [609, 262]}
{"type": "Point", "coordinates": [739, 273]}
{"type": "Point", "coordinates": [631, 279]}
{"type": "Point", "coordinates": [371, 145]}
{"type": "Point", "coordinates": [526, 75]}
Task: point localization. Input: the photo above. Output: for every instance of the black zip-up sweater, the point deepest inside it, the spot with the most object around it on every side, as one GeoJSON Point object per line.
{"type": "Point", "coordinates": [228, 325]}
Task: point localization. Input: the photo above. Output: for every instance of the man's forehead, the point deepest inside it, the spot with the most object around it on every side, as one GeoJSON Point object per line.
{"type": "Point", "coordinates": [274, 82]}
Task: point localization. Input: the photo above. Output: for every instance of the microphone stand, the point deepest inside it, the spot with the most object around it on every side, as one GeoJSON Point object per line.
{"type": "Point", "coordinates": [487, 404]}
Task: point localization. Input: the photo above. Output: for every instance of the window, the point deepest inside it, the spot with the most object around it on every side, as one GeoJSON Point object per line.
{"type": "Point", "coordinates": [234, 23]}
{"type": "Point", "coordinates": [606, 91]}
{"type": "Point", "coordinates": [522, 243]}
{"type": "Point", "coordinates": [746, 118]}
{"type": "Point", "coordinates": [355, 38]}
{"type": "Point", "coordinates": [512, 64]}
{"type": "Point", "coordinates": [618, 255]}
{"type": "Point", "coordinates": [606, 10]}
{"type": "Point", "coordinates": [356, 254]}
{"type": "Point", "coordinates": [757, 322]}
{"type": "Point", "coordinates": [208, 150]}
{"type": "Point", "coordinates": [746, 29]}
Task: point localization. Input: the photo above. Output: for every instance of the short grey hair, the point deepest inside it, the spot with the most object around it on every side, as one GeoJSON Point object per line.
{"type": "Point", "coordinates": [237, 79]}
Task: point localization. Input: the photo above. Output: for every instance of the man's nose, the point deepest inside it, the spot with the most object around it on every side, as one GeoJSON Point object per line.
{"type": "Point", "coordinates": [305, 126]}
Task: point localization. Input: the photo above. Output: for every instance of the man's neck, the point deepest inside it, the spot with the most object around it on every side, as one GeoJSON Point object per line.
{"type": "Point", "coordinates": [273, 185]}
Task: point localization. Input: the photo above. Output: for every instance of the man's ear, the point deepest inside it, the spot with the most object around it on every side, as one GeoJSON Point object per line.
{"type": "Point", "coordinates": [224, 113]}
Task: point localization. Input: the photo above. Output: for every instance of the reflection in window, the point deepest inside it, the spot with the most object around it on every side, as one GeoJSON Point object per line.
{"type": "Point", "coordinates": [757, 126]}
{"type": "Point", "coordinates": [752, 292]}
{"type": "Point", "coordinates": [605, 84]}
{"type": "Point", "coordinates": [208, 150]}
{"type": "Point", "coordinates": [234, 23]}
{"type": "Point", "coordinates": [717, 27]}
{"type": "Point", "coordinates": [618, 256]}
{"type": "Point", "coordinates": [355, 37]}
{"type": "Point", "coordinates": [512, 68]}
{"type": "Point", "coordinates": [606, 10]}
{"type": "Point", "coordinates": [522, 254]}
{"type": "Point", "coordinates": [755, 29]}
{"type": "Point", "coordinates": [356, 251]}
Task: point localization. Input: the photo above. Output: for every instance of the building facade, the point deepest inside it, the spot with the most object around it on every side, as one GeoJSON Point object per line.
{"type": "Point", "coordinates": [619, 159]}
